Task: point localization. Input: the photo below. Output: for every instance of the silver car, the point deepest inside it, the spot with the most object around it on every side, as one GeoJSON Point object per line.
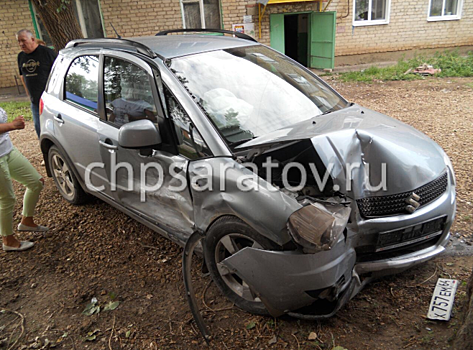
{"type": "Point", "coordinates": [302, 196]}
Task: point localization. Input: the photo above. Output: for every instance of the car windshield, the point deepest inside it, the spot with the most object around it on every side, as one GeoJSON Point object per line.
{"type": "Point", "coordinates": [251, 91]}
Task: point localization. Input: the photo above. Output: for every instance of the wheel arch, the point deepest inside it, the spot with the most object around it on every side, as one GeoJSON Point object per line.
{"type": "Point", "coordinates": [275, 237]}
{"type": "Point", "coordinates": [46, 143]}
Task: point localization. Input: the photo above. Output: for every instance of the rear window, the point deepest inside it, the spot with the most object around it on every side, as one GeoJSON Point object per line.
{"type": "Point", "coordinates": [82, 82]}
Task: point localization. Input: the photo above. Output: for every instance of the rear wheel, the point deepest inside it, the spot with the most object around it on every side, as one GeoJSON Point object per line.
{"type": "Point", "coordinates": [64, 178]}
{"type": "Point", "coordinates": [226, 237]}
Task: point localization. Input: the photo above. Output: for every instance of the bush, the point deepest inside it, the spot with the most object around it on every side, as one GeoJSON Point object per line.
{"type": "Point", "coordinates": [450, 62]}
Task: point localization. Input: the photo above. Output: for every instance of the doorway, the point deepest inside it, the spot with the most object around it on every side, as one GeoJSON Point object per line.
{"type": "Point", "coordinates": [307, 37]}
{"type": "Point", "coordinates": [296, 37]}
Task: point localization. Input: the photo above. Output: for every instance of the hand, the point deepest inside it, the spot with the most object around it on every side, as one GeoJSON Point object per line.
{"type": "Point", "coordinates": [18, 123]}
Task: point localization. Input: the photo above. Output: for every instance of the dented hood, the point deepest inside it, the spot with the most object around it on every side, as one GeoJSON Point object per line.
{"type": "Point", "coordinates": [355, 142]}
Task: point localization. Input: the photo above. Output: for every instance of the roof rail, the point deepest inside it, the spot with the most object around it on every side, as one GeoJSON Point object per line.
{"type": "Point", "coordinates": [124, 43]}
{"type": "Point", "coordinates": [205, 30]}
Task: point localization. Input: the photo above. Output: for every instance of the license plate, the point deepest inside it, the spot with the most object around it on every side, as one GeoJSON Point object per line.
{"type": "Point", "coordinates": [442, 301]}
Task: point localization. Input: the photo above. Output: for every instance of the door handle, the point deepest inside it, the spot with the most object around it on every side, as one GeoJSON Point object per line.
{"type": "Point", "coordinates": [107, 145]}
{"type": "Point", "coordinates": [59, 119]}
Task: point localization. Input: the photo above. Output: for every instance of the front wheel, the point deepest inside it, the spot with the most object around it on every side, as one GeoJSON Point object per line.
{"type": "Point", "coordinates": [227, 236]}
{"type": "Point", "coordinates": [64, 178]}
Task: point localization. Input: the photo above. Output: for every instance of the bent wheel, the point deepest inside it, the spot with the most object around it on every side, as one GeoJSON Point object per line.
{"type": "Point", "coordinates": [226, 237]}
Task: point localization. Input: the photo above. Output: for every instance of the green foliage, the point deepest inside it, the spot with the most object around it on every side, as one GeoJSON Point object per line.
{"type": "Point", "coordinates": [251, 325]}
{"type": "Point", "coordinates": [450, 62]}
{"type": "Point", "coordinates": [14, 109]}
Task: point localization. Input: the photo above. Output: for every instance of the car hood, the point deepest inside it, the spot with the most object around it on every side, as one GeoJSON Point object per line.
{"type": "Point", "coordinates": [367, 153]}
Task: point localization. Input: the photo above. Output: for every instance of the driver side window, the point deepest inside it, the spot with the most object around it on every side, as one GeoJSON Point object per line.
{"type": "Point", "coordinates": [127, 91]}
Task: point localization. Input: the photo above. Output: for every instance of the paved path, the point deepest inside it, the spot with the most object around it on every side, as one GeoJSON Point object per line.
{"type": "Point", "coordinates": [11, 94]}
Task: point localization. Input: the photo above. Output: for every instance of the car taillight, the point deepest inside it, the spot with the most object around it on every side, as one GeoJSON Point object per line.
{"type": "Point", "coordinates": [41, 106]}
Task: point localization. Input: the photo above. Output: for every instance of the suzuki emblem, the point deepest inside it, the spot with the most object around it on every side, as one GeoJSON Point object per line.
{"type": "Point", "coordinates": [413, 202]}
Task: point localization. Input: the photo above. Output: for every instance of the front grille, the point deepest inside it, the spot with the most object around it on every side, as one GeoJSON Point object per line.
{"type": "Point", "coordinates": [404, 240]}
{"type": "Point", "coordinates": [396, 204]}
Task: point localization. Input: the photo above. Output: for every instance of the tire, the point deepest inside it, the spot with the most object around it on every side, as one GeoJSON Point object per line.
{"type": "Point", "coordinates": [63, 176]}
{"type": "Point", "coordinates": [229, 233]}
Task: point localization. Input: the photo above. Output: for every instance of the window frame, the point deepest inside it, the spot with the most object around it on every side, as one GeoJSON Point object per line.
{"type": "Point", "coordinates": [167, 89]}
{"type": "Point", "coordinates": [138, 63]}
{"type": "Point", "coordinates": [202, 12]}
{"type": "Point", "coordinates": [370, 22]}
{"type": "Point", "coordinates": [443, 17]}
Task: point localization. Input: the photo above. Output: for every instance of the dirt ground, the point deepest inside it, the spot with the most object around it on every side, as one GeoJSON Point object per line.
{"type": "Point", "coordinates": [96, 251]}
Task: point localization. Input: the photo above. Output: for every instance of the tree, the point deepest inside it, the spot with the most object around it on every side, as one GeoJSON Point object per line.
{"type": "Point", "coordinates": [59, 19]}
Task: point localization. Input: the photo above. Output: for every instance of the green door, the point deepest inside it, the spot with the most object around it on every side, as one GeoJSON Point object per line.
{"type": "Point", "coordinates": [276, 23]}
{"type": "Point", "coordinates": [322, 39]}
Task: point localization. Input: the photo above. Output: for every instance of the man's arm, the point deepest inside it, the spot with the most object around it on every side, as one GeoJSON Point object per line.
{"type": "Point", "coordinates": [21, 75]}
{"type": "Point", "coordinates": [24, 85]}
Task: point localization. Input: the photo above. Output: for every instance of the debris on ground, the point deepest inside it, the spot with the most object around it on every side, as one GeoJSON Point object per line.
{"type": "Point", "coordinates": [424, 69]}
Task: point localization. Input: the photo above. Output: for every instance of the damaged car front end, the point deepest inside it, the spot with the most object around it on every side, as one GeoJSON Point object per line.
{"type": "Point", "coordinates": [298, 197]}
{"type": "Point", "coordinates": [344, 194]}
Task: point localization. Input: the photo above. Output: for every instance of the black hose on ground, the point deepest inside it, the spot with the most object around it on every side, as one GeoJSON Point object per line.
{"type": "Point", "coordinates": [192, 242]}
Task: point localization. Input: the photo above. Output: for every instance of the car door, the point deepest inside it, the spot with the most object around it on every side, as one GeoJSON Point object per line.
{"type": "Point", "coordinates": [76, 118]}
{"type": "Point", "coordinates": [149, 182]}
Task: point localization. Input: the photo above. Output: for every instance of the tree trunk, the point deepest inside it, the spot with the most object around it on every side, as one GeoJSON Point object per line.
{"type": "Point", "coordinates": [60, 22]}
{"type": "Point", "coordinates": [464, 338]}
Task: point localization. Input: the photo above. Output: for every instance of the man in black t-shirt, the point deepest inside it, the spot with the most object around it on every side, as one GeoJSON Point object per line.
{"type": "Point", "coordinates": [34, 62]}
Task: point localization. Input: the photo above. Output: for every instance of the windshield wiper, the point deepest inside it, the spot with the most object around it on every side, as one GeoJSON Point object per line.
{"type": "Point", "coordinates": [330, 110]}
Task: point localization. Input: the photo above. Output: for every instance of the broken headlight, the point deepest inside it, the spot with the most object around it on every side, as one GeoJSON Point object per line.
{"type": "Point", "coordinates": [318, 227]}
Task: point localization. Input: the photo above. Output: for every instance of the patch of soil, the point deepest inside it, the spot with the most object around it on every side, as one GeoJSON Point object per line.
{"type": "Point", "coordinates": [96, 251]}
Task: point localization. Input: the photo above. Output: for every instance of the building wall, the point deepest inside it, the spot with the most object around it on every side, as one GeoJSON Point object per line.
{"type": "Point", "coordinates": [408, 29]}
{"type": "Point", "coordinates": [140, 17]}
{"type": "Point", "coordinates": [14, 15]}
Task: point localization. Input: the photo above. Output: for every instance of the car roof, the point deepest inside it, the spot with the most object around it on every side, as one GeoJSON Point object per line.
{"type": "Point", "coordinates": [163, 46]}
{"type": "Point", "coordinates": [170, 46]}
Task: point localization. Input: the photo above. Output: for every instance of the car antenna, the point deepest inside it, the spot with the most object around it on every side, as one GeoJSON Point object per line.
{"type": "Point", "coordinates": [118, 35]}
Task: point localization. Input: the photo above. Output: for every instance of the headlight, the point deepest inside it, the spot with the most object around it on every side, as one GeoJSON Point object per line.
{"type": "Point", "coordinates": [318, 227]}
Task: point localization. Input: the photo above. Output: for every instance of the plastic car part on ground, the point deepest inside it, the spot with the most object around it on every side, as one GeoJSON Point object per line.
{"type": "Point", "coordinates": [424, 69]}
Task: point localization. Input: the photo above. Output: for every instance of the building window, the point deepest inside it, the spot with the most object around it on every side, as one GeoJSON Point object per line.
{"type": "Point", "coordinates": [201, 14]}
{"type": "Point", "coordinates": [88, 15]}
{"type": "Point", "coordinates": [443, 10]}
{"type": "Point", "coordinates": [371, 12]}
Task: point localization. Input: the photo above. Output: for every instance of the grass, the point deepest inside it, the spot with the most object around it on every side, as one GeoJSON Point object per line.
{"type": "Point", "coordinates": [450, 62]}
{"type": "Point", "coordinates": [14, 109]}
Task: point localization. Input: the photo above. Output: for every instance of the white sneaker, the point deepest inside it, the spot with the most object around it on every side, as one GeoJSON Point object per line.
{"type": "Point", "coordinates": [38, 228]}
{"type": "Point", "coordinates": [24, 245]}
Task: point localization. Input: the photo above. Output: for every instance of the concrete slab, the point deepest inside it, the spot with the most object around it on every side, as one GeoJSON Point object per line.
{"type": "Point", "coordinates": [13, 94]}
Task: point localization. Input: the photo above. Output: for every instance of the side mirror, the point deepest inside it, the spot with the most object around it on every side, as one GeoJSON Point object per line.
{"type": "Point", "coordinates": [139, 134]}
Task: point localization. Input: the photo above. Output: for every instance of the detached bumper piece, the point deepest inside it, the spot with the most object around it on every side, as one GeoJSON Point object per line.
{"type": "Point", "coordinates": [290, 280]}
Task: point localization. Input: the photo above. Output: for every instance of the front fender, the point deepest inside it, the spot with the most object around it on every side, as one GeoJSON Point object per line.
{"type": "Point", "coordinates": [216, 186]}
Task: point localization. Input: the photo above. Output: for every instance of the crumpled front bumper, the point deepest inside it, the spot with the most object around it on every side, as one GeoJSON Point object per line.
{"type": "Point", "coordinates": [287, 281]}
